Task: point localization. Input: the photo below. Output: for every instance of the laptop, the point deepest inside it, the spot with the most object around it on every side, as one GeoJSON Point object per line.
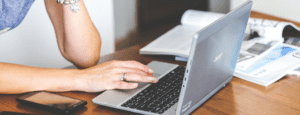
{"type": "Point", "coordinates": [181, 90]}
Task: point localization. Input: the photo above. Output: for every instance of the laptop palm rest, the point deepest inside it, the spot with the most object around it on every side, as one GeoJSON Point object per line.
{"type": "Point", "coordinates": [114, 98]}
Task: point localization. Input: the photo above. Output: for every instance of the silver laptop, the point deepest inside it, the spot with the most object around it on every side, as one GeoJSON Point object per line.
{"type": "Point", "coordinates": [181, 90]}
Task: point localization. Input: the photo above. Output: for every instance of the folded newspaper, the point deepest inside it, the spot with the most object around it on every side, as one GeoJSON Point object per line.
{"type": "Point", "coordinates": [296, 42]}
{"type": "Point", "coordinates": [254, 49]}
{"type": "Point", "coordinates": [271, 67]}
{"type": "Point", "coordinates": [295, 72]}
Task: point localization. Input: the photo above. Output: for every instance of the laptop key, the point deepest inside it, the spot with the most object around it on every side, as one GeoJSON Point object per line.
{"type": "Point", "coordinates": [156, 110]}
{"type": "Point", "coordinates": [134, 105]}
{"type": "Point", "coordinates": [160, 96]}
{"type": "Point", "coordinates": [159, 107]}
{"type": "Point", "coordinates": [126, 104]}
{"type": "Point", "coordinates": [163, 110]}
{"type": "Point", "coordinates": [152, 105]}
{"type": "Point", "coordinates": [145, 107]}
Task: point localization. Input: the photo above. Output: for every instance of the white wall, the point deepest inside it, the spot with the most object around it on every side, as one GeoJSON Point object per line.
{"type": "Point", "coordinates": [125, 14]}
{"type": "Point", "coordinates": [220, 6]}
{"type": "Point", "coordinates": [125, 17]}
{"type": "Point", "coordinates": [33, 42]}
{"type": "Point", "coordinates": [102, 14]}
{"type": "Point", "coordinates": [288, 9]}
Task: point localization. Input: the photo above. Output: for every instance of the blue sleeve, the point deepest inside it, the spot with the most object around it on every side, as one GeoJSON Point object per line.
{"type": "Point", "coordinates": [12, 12]}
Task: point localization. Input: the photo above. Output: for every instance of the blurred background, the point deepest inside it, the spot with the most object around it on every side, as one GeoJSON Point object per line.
{"type": "Point", "coordinates": [121, 23]}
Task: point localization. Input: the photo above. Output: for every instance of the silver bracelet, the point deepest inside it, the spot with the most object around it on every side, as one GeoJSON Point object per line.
{"type": "Point", "coordinates": [74, 6]}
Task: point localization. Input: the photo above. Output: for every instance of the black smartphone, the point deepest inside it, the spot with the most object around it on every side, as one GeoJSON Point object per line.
{"type": "Point", "coordinates": [13, 113]}
{"type": "Point", "coordinates": [51, 102]}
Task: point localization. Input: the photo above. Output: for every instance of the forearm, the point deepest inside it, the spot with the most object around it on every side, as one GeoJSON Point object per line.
{"type": "Point", "coordinates": [19, 79]}
{"type": "Point", "coordinates": [81, 36]}
{"type": "Point", "coordinates": [16, 79]}
{"type": "Point", "coordinates": [78, 39]}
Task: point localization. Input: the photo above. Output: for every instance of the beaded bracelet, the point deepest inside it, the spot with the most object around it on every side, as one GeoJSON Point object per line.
{"type": "Point", "coordinates": [74, 6]}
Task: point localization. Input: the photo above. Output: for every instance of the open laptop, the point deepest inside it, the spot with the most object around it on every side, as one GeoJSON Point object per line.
{"type": "Point", "coordinates": [181, 90]}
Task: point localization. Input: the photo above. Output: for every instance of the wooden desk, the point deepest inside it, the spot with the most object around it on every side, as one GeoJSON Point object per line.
{"type": "Point", "coordinates": [238, 97]}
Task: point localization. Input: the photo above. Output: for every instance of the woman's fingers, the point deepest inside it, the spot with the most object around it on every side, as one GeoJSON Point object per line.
{"type": "Point", "coordinates": [127, 70]}
{"type": "Point", "coordinates": [124, 85]}
{"type": "Point", "coordinates": [108, 76]}
{"type": "Point", "coordinates": [136, 78]}
{"type": "Point", "coordinates": [132, 64]}
{"type": "Point", "coordinates": [140, 78]}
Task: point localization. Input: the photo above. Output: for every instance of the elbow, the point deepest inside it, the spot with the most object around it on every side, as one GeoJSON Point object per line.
{"type": "Point", "coordinates": [85, 60]}
{"type": "Point", "coordinates": [84, 54]}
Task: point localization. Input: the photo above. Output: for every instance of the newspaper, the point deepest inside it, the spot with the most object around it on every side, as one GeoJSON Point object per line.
{"type": "Point", "coordinates": [295, 72]}
{"type": "Point", "coordinates": [273, 29]}
{"type": "Point", "coordinates": [254, 49]}
{"type": "Point", "coordinates": [292, 41]}
{"type": "Point", "coordinates": [296, 42]}
{"type": "Point", "coordinates": [273, 66]}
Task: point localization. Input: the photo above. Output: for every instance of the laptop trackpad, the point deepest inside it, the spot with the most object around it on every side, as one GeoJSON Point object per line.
{"type": "Point", "coordinates": [117, 97]}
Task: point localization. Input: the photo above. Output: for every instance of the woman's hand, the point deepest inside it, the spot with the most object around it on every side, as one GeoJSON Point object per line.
{"type": "Point", "coordinates": [108, 76]}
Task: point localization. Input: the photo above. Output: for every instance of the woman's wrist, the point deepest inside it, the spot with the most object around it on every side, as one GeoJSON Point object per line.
{"type": "Point", "coordinates": [61, 80]}
{"type": "Point", "coordinates": [78, 81]}
{"type": "Point", "coordinates": [74, 80]}
{"type": "Point", "coordinates": [86, 82]}
{"type": "Point", "coordinates": [73, 4]}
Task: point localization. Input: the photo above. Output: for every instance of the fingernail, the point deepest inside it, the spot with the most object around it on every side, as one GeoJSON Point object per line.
{"type": "Point", "coordinates": [151, 71]}
{"type": "Point", "coordinates": [155, 79]}
{"type": "Point", "coordinates": [152, 78]}
{"type": "Point", "coordinates": [134, 85]}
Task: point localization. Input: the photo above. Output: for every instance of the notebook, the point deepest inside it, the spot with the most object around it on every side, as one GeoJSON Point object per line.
{"type": "Point", "coordinates": [181, 90]}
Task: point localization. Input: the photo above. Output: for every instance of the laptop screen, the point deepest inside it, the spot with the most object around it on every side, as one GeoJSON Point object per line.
{"type": "Point", "coordinates": [213, 58]}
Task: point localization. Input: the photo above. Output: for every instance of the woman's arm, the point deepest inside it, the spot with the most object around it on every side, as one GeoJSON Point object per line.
{"type": "Point", "coordinates": [79, 42]}
{"type": "Point", "coordinates": [16, 79]}
{"type": "Point", "coordinates": [77, 37]}
{"type": "Point", "coordinates": [19, 79]}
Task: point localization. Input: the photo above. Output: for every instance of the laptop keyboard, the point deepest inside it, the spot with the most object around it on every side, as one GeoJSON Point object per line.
{"type": "Point", "coordinates": [159, 97]}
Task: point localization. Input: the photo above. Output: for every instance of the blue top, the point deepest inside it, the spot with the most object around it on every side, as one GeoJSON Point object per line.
{"type": "Point", "coordinates": [12, 12]}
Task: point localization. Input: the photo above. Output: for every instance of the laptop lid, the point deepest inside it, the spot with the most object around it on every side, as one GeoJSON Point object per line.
{"type": "Point", "coordinates": [213, 58]}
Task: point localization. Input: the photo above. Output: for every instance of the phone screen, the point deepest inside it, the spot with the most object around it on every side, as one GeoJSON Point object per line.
{"type": "Point", "coordinates": [52, 100]}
